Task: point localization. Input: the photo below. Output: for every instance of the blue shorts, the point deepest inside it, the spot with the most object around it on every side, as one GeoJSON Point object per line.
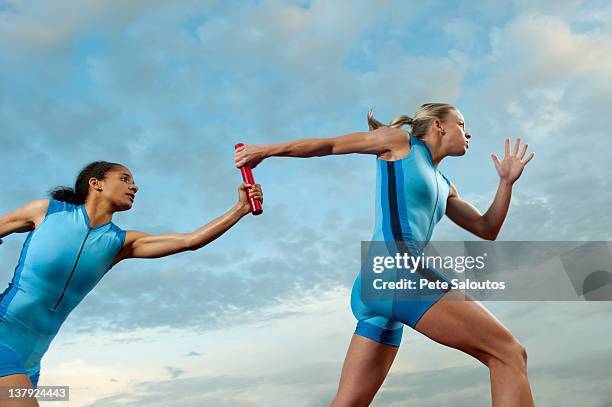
{"type": "Point", "coordinates": [10, 363]}
{"type": "Point", "coordinates": [382, 319]}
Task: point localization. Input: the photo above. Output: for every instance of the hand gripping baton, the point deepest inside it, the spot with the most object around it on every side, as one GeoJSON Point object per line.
{"type": "Point", "coordinates": [247, 176]}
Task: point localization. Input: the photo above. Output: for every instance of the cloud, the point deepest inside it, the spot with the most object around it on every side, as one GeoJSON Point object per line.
{"type": "Point", "coordinates": [31, 26]}
{"type": "Point", "coordinates": [197, 290]}
{"type": "Point", "coordinates": [544, 79]}
{"type": "Point", "coordinates": [308, 385]}
{"type": "Point", "coordinates": [169, 88]}
{"type": "Point", "coordinates": [469, 386]}
{"type": "Point", "coordinates": [549, 49]}
{"type": "Point", "coordinates": [314, 384]}
{"type": "Point", "coordinates": [174, 372]}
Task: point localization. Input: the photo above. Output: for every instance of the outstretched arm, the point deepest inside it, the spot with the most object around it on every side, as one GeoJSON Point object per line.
{"type": "Point", "coordinates": [23, 219]}
{"type": "Point", "coordinates": [143, 245]}
{"type": "Point", "coordinates": [378, 142]}
{"type": "Point", "coordinates": [487, 226]}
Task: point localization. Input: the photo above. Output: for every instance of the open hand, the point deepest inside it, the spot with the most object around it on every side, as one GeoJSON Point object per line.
{"type": "Point", "coordinates": [511, 167]}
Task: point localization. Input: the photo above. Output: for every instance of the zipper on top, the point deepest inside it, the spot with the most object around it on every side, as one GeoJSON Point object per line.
{"type": "Point", "coordinates": [73, 270]}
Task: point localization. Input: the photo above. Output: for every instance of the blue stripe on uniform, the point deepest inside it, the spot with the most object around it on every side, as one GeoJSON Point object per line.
{"type": "Point", "coordinates": [10, 292]}
{"type": "Point", "coordinates": [386, 222]}
{"type": "Point", "coordinates": [396, 227]}
{"type": "Point", "coordinates": [402, 209]}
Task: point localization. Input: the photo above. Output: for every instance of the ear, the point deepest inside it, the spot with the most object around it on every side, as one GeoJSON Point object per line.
{"type": "Point", "coordinates": [437, 123]}
{"type": "Point", "coordinates": [95, 184]}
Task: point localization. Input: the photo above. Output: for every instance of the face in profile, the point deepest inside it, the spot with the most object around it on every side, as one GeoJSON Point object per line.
{"type": "Point", "coordinates": [456, 138]}
{"type": "Point", "coordinates": [119, 188]}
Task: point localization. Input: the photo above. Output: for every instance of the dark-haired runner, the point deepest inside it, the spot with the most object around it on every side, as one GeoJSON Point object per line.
{"type": "Point", "coordinates": [71, 245]}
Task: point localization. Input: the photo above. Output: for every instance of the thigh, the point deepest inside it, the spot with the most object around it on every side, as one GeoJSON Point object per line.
{"type": "Point", "coordinates": [16, 381]}
{"type": "Point", "coordinates": [374, 318]}
{"type": "Point", "coordinates": [365, 367]}
{"type": "Point", "coordinates": [459, 321]}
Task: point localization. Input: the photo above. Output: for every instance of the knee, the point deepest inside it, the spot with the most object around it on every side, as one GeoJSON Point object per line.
{"type": "Point", "coordinates": [352, 398]}
{"type": "Point", "coordinates": [510, 353]}
{"type": "Point", "coordinates": [348, 400]}
{"type": "Point", "coordinates": [515, 356]}
{"type": "Point", "coordinates": [523, 353]}
{"type": "Point", "coordinates": [518, 355]}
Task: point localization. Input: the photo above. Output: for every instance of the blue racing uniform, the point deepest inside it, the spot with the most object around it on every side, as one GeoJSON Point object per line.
{"type": "Point", "coordinates": [61, 261]}
{"type": "Point", "coordinates": [411, 196]}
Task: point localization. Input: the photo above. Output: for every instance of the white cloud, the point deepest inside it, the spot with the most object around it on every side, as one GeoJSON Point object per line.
{"type": "Point", "coordinates": [537, 49]}
{"type": "Point", "coordinates": [170, 102]}
{"type": "Point", "coordinates": [40, 27]}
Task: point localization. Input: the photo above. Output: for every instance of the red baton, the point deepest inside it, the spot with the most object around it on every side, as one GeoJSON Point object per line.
{"type": "Point", "coordinates": [247, 176]}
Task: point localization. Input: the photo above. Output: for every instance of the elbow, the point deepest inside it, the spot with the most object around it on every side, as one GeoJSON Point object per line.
{"type": "Point", "coordinates": [486, 231]}
{"type": "Point", "coordinates": [325, 151]}
{"type": "Point", "coordinates": [329, 147]}
{"type": "Point", "coordinates": [193, 243]}
{"type": "Point", "coordinates": [489, 235]}
{"type": "Point", "coordinates": [189, 243]}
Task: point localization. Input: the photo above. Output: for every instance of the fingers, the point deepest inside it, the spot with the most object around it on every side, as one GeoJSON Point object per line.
{"type": "Point", "coordinates": [517, 143]}
{"type": "Point", "coordinates": [239, 156]}
{"type": "Point", "coordinates": [238, 159]}
{"type": "Point", "coordinates": [246, 185]}
{"type": "Point", "coordinates": [241, 161]}
{"type": "Point", "coordinates": [495, 160]}
{"type": "Point", "coordinates": [529, 157]}
{"type": "Point", "coordinates": [254, 191]}
{"type": "Point", "coordinates": [254, 188]}
{"type": "Point", "coordinates": [523, 151]}
{"type": "Point", "coordinates": [515, 151]}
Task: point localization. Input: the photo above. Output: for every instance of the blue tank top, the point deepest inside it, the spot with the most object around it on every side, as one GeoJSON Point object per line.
{"type": "Point", "coordinates": [411, 196]}
{"type": "Point", "coordinates": [61, 262]}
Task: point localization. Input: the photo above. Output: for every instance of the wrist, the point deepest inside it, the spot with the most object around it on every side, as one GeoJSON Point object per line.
{"type": "Point", "coordinates": [241, 209]}
{"type": "Point", "coordinates": [504, 183]}
{"type": "Point", "coordinates": [268, 150]}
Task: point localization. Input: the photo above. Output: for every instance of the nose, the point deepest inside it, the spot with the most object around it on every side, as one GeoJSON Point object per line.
{"type": "Point", "coordinates": [468, 135]}
{"type": "Point", "coordinates": [134, 188]}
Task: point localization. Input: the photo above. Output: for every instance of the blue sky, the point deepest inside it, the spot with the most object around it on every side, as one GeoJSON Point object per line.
{"type": "Point", "coordinates": [261, 315]}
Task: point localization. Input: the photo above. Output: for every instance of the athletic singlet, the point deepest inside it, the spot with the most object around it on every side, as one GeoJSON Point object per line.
{"type": "Point", "coordinates": [411, 196]}
{"type": "Point", "coordinates": [61, 261]}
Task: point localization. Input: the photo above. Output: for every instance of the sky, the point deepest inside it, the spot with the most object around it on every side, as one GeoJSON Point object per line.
{"type": "Point", "coordinates": [261, 316]}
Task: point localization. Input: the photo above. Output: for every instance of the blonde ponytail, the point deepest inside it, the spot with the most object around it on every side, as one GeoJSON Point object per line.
{"type": "Point", "coordinates": [421, 121]}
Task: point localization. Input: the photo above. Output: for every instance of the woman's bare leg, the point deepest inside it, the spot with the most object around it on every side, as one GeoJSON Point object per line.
{"type": "Point", "coordinates": [17, 381]}
{"type": "Point", "coordinates": [365, 367]}
{"type": "Point", "coordinates": [468, 326]}
{"type": "Point", "coordinates": [456, 321]}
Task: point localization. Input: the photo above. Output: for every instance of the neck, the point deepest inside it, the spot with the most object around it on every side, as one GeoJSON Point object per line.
{"type": "Point", "coordinates": [435, 148]}
{"type": "Point", "coordinates": [98, 212]}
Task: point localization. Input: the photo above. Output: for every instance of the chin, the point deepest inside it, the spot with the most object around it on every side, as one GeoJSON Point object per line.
{"type": "Point", "coordinates": [459, 153]}
{"type": "Point", "coordinates": [124, 207]}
